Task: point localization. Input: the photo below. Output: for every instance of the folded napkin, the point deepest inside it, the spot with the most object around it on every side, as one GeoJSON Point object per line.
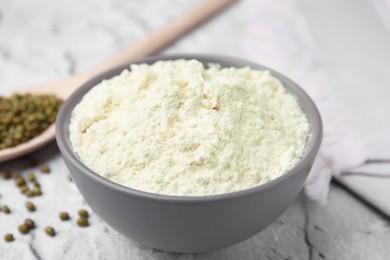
{"type": "Point", "coordinates": [276, 35]}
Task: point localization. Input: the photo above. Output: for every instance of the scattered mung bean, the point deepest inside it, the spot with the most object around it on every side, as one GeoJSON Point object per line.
{"type": "Point", "coordinates": [30, 193]}
{"type": "Point", "coordinates": [29, 223]}
{"type": "Point", "coordinates": [50, 231]}
{"type": "Point", "coordinates": [83, 213]}
{"type": "Point", "coordinates": [37, 191]}
{"type": "Point", "coordinates": [24, 189]}
{"type": "Point", "coordinates": [9, 237]}
{"type": "Point", "coordinates": [5, 209]}
{"type": "Point", "coordinates": [64, 216]}
{"type": "Point", "coordinates": [31, 176]}
{"type": "Point", "coordinates": [82, 222]}
{"type": "Point", "coordinates": [30, 206]}
{"type": "Point", "coordinates": [44, 169]}
{"type": "Point", "coordinates": [20, 181]}
{"type": "Point", "coordinates": [24, 229]}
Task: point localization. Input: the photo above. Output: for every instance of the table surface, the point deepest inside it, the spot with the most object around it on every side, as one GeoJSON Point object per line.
{"type": "Point", "coordinates": [43, 40]}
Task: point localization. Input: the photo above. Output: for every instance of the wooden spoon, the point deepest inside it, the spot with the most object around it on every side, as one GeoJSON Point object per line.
{"type": "Point", "coordinates": [151, 44]}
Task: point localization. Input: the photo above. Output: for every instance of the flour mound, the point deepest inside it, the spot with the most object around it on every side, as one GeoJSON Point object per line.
{"type": "Point", "coordinates": [178, 128]}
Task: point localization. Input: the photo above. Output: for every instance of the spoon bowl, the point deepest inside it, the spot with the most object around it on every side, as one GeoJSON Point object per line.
{"type": "Point", "coordinates": [62, 89]}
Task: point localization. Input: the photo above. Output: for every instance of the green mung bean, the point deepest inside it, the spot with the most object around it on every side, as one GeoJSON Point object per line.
{"type": "Point", "coordinates": [31, 176]}
{"type": "Point", "coordinates": [83, 213]}
{"type": "Point", "coordinates": [82, 222]}
{"type": "Point", "coordinates": [64, 216]}
{"type": "Point", "coordinates": [30, 193]}
{"type": "Point", "coordinates": [30, 206]}
{"type": "Point", "coordinates": [37, 191]}
{"type": "Point", "coordinates": [5, 209]}
{"type": "Point", "coordinates": [24, 189]}
{"type": "Point", "coordinates": [20, 181]}
{"type": "Point", "coordinates": [50, 231]}
{"type": "Point", "coordinates": [44, 169]}
{"type": "Point", "coordinates": [24, 229]}
{"type": "Point", "coordinates": [9, 237]}
{"type": "Point", "coordinates": [29, 223]}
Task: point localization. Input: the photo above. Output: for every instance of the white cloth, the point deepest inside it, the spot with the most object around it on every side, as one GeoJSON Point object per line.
{"type": "Point", "coordinates": [277, 37]}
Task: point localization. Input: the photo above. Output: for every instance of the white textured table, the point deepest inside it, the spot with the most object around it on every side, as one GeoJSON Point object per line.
{"type": "Point", "coordinates": [42, 40]}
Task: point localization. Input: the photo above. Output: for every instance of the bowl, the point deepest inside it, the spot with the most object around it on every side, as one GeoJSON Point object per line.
{"type": "Point", "coordinates": [189, 224]}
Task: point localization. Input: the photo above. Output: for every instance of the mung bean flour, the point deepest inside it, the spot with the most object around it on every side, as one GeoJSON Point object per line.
{"type": "Point", "coordinates": [178, 128]}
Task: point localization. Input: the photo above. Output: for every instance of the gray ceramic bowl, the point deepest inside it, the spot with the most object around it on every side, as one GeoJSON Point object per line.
{"type": "Point", "coordinates": [189, 224]}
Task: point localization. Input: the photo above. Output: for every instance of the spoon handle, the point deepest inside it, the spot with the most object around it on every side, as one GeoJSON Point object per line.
{"type": "Point", "coordinates": [149, 45]}
{"type": "Point", "coordinates": [166, 35]}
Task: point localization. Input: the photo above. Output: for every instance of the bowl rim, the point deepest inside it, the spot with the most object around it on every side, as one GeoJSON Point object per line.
{"type": "Point", "coordinates": [305, 102]}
